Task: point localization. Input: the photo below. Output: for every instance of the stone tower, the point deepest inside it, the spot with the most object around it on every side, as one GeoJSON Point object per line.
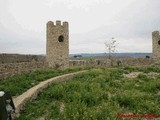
{"type": "Point", "coordinates": [156, 45]}
{"type": "Point", "coordinates": [57, 48]}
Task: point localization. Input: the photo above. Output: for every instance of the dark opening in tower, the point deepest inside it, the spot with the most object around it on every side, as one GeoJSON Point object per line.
{"type": "Point", "coordinates": [159, 42]}
{"type": "Point", "coordinates": [61, 38]}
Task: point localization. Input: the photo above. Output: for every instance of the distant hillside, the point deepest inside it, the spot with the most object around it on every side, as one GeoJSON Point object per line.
{"type": "Point", "coordinates": [16, 58]}
{"type": "Point", "coordinates": [115, 54]}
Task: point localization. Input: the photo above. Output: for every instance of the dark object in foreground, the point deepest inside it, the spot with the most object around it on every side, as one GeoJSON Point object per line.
{"type": "Point", "coordinates": [6, 106]}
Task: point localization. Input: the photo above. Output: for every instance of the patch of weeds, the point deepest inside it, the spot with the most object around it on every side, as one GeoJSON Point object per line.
{"type": "Point", "coordinates": [130, 69]}
{"type": "Point", "coordinates": [20, 83]}
{"type": "Point", "coordinates": [99, 94]}
{"type": "Point", "coordinates": [143, 77]}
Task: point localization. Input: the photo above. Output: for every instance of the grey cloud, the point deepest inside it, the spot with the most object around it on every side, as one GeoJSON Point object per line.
{"type": "Point", "coordinates": [130, 26]}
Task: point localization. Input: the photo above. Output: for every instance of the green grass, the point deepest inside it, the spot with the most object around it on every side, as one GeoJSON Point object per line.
{"type": "Point", "coordinates": [20, 83]}
{"type": "Point", "coordinates": [99, 94]}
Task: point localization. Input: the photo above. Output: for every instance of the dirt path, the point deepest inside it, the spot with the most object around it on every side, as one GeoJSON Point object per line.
{"type": "Point", "coordinates": [30, 94]}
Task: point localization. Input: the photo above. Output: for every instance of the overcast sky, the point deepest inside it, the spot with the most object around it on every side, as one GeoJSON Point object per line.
{"type": "Point", "coordinates": [91, 22]}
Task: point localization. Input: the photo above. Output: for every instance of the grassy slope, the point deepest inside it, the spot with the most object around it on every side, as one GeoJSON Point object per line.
{"type": "Point", "coordinates": [20, 83]}
{"type": "Point", "coordinates": [98, 94]}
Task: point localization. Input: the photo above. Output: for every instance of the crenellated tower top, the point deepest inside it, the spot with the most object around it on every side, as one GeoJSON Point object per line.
{"type": "Point", "coordinates": [57, 23]}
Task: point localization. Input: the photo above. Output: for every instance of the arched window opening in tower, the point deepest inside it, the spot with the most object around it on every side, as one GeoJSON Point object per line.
{"type": "Point", "coordinates": [61, 38]}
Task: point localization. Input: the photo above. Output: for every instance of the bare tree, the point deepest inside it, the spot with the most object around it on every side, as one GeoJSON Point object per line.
{"type": "Point", "coordinates": [110, 47]}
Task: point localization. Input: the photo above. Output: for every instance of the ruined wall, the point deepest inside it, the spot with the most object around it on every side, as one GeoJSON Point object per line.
{"type": "Point", "coordinates": [84, 63]}
{"type": "Point", "coordinates": [57, 45]}
{"type": "Point", "coordinates": [156, 45]}
{"type": "Point", "coordinates": [138, 61]}
{"type": "Point", "coordinates": [17, 58]}
{"type": "Point", "coordinates": [10, 69]}
{"type": "Point", "coordinates": [107, 63]}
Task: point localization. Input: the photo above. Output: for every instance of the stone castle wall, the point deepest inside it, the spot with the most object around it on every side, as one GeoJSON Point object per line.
{"type": "Point", "coordinates": [107, 63]}
{"type": "Point", "coordinates": [57, 45]}
{"type": "Point", "coordinates": [10, 69]}
{"type": "Point", "coordinates": [17, 58]}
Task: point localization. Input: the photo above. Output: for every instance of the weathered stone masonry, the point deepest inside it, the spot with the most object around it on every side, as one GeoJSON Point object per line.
{"type": "Point", "coordinates": [7, 70]}
{"type": "Point", "coordinates": [107, 63]}
{"type": "Point", "coordinates": [57, 45]}
{"type": "Point", "coordinates": [156, 45]}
